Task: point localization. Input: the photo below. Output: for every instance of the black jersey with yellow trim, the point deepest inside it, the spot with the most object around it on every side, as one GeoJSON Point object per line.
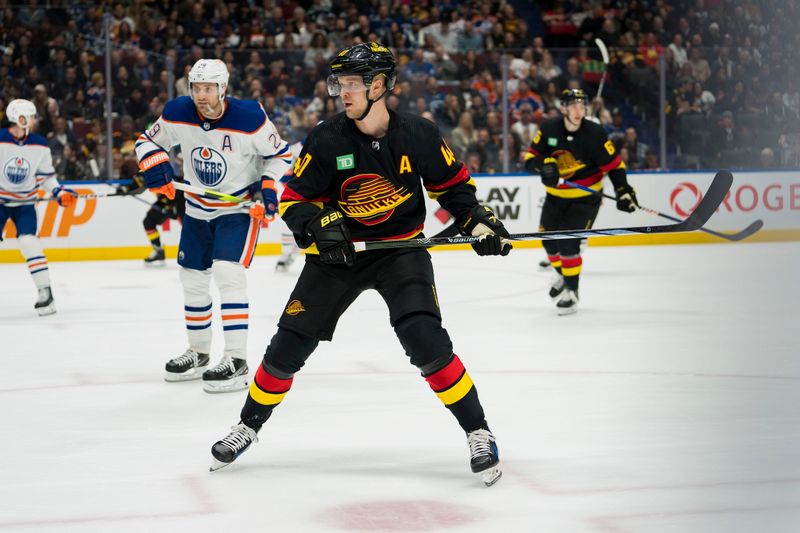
{"type": "Point", "coordinates": [583, 156]}
{"type": "Point", "coordinates": [378, 184]}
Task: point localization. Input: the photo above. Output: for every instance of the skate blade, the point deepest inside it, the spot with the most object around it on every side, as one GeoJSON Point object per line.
{"type": "Point", "coordinates": [231, 385]}
{"type": "Point", "coordinates": [46, 310]}
{"type": "Point", "coordinates": [217, 465]}
{"type": "Point", "coordinates": [490, 476]}
{"type": "Point", "coordinates": [567, 310]}
{"type": "Point", "coordinates": [160, 263]}
{"type": "Point", "coordinates": [197, 373]}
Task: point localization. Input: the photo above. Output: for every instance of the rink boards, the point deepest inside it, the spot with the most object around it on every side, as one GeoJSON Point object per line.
{"type": "Point", "coordinates": [111, 228]}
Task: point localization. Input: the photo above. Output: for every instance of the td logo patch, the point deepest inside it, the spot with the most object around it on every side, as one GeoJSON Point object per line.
{"type": "Point", "coordinates": [344, 162]}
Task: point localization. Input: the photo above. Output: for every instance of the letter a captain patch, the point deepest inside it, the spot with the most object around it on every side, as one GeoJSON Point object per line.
{"type": "Point", "coordinates": [344, 162]}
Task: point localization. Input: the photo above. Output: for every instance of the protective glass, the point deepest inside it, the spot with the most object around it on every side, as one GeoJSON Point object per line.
{"type": "Point", "coordinates": [336, 86]}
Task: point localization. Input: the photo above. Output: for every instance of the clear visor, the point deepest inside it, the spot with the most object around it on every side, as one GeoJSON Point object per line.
{"type": "Point", "coordinates": [336, 86]}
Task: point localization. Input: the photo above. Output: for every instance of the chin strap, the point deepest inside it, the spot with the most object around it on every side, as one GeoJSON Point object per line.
{"type": "Point", "coordinates": [370, 102]}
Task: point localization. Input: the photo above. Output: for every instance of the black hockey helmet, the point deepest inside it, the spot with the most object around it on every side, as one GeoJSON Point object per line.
{"type": "Point", "coordinates": [573, 95]}
{"type": "Point", "coordinates": [367, 60]}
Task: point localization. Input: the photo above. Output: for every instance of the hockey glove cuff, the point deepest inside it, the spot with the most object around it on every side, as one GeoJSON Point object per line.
{"type": "Point", "coordinates": [550, 173]}
{"type": "Point", "coordinates": [330, 234]}
{"type": "Point", "coordinates": [626, 198]}
{"type": "Point", "coordinates": [269, 195]}
{"type": "Point", "coordinates": [481, 222]}
{"type": "Point", "coordinates": [157, 170]}
{"type": "Point", "coordinates": [64, 197]}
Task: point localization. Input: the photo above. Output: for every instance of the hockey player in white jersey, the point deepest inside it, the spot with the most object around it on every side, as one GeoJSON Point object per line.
{"type": "Point", "coordinates": [27, 166]}
{"type": "Point", "coordinates": [232, 147]}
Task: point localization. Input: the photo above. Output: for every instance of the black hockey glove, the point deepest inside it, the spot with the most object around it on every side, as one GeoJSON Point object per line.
{"type": "Point", "coordinates": [550, 173]}
{"type": "Point", "coordinates": [481, 222]}
{"type": "Point", "coordinates": [332, 238]}
{"type": "Point", "coordinates": [626, 198]}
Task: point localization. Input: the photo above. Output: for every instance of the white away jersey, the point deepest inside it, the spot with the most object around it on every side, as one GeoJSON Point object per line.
{"type": "Point", "coordinates": [228, 154]}
{"type": "Point", "coordinates": [25, 165]}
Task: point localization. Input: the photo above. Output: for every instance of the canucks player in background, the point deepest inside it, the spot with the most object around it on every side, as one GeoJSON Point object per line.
{"type": "Point", "coordinates": [578, 150]}
{"type": "Point", "coordinates": [232, 147]}
{"type": "Point", "coordinates": [27, 166]}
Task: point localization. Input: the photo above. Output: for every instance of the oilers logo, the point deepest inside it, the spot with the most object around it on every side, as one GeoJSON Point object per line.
{"type": "Point", "coordinates": [16, 170]}
{"type": "Point", "coordinates": [209, 165]}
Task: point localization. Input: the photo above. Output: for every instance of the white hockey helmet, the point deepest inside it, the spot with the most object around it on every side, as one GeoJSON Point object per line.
{"type": "Point", "coordinates": [210, 71]}
{"type": "Point", "coordinates": [20, 108]}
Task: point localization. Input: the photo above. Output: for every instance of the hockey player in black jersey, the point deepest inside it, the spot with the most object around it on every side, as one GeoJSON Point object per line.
{"type": "Point", "coordinates": [160, 211]}
{"type": "Point", "coordinates": [577, 150]}
{"type": "Point", "coordinates": [361, 176]}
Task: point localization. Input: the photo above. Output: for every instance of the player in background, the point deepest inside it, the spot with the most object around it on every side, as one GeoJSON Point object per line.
{"type": "Point", "coordinates": [363, 175]}
{"type": "Point", "coordinates": [27, 167]}
{"type": "Point", "coordinates": [230, 146]}
{"type": "Point", "coordinates": [160, 211]}
{"type": "Point", "coordinates": [289, 249]}
{"type": "Point", "coordinates": [578, 150]}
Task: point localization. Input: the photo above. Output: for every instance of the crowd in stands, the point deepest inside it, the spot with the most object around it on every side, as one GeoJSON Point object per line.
{"type": "Point", "coordinates": [732, 94]}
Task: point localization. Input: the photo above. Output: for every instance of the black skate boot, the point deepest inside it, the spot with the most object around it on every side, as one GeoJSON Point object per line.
{"type": "Point", "coordinates": [227, 450]}
{"type": "Point", "coordinates": [45, 304]}
{"type": "Point", "coordinates": [186, 367]}
{"type": "Point", "coordinates": [544, 264]}
{"type": "Point", "coordinates": [568, 303]}
{"type": "Point", "coordinates": [284, 262]}
{"type": "Point", "coordinates": [485, 457]}
{"type": "Point", "coordinates": [228, 375]}
{"type": "Point", "coordinates": [556, 286]}
{"type": "Point", "coordinates": [157, 256]}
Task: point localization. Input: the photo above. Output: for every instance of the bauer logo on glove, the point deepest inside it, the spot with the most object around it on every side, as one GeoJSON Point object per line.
{"type": "Point", "coordinates": [481, 221]}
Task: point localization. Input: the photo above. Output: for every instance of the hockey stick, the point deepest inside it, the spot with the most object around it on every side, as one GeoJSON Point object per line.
{"type": "Point", "coordinates": [603, 52]}
{"type": "Point", "coordinates": [705, 209]}
{"type": "Point", "coordinates": [746, 232]}
{"type": "Point", "coordinates": [185, 187]}
{"type": "Point", "coordinates": [53, 198]}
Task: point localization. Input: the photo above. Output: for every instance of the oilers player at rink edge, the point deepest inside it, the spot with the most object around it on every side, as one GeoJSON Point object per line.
{"type": "Point", "coordinates": [230, 146]}
{"type": "Point", "coordinates": [27, 166]}
{"type": "Point", "coordinates": [361, 176]}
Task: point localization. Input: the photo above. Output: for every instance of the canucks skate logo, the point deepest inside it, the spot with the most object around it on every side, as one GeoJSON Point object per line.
{"type": "Point", "coordinates": [16, 170]}
{"type": "Point", "coordinates": [567, 164]}
{"type": "Point", "coordinates": [209, 165]}
{"type": "Point", "coordinates": [370, 199]}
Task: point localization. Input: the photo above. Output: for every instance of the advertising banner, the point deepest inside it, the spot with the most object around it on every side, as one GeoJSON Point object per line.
{"type": "Point", "coordinates": [110, 228]}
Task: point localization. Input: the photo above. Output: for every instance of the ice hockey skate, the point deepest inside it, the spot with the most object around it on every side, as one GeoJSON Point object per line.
{"type": "Point", "coordinates": [45, 305]}
{"type": "Point", "coordinates": [186, 367]}
{"type": "Point", "coordinates": [556, 286]}
{"type": "Point", "coordinates": [156, 257]}
{"type": "Point", "coordinates": [229, 375]}
{"type": "Point", "coordinates": [284, 262]}
{"type": "Point", "coordinates": [485, 459]}
{"type": "Point", "coordinates": [227, 450]}
{"type": "Point", "coordinates": [544, 265]}
{"type": "Point", "coordinates": [568, 303]}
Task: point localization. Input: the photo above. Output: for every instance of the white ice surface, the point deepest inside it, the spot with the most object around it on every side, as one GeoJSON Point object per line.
{"type": "Point", "coordinates": [670, 403]}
